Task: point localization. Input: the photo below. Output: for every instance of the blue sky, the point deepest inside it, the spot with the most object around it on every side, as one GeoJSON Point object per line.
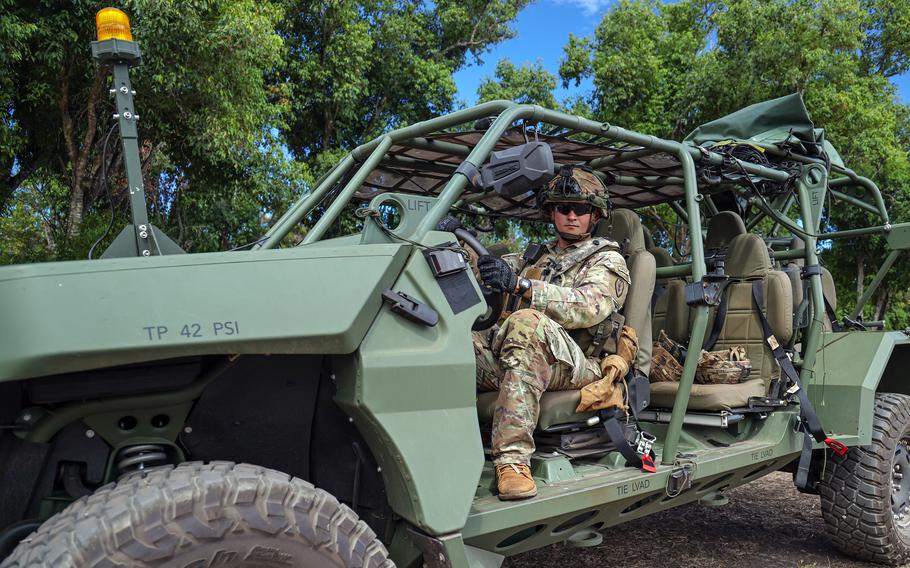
{"type": "Point", "coordinates": [543, 29]}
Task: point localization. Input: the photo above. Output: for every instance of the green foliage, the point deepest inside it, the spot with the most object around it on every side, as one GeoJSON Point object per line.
{"type": "Point", "coordinates": [14, 33]}
{"type": "Point", "coordinates": [202, 96]}
{"type": "Point", "coordinates": [229, 92]}
{"type": "Point", "coordinates": [528, 84]}
{"type": "Point", "coordinates": [360, 68]}
{"type": "Point", "coordinates": [665, 68]}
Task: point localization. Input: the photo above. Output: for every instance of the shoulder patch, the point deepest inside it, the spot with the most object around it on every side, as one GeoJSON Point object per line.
{"type": "Point", "coordinates": [620, 287]}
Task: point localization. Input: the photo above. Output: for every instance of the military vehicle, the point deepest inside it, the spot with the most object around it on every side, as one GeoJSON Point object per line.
{"type": "Point", "coordinates": [315, 405]}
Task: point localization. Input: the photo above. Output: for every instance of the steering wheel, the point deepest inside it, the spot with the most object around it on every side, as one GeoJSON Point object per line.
{"type": "Point", "coordinates": [495, 300]}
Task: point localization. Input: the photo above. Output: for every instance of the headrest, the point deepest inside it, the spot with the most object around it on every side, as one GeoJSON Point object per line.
{"type": "Point", "coordinates": [623, 225]}
{"type": "Point", "coordinates": [649, 241]}
{"type": "Point", "coordinates": [662, 256]}
{"type": "Point", "coordinates": [748, 257]}
{"type": "Point", "coordinates": [722, 228]}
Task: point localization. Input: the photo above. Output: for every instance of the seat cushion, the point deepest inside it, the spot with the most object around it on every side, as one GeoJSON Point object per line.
{"type": "Point", "coordinates": [708, 397]}
{"type": "Point", "coordinates": [556, 407]}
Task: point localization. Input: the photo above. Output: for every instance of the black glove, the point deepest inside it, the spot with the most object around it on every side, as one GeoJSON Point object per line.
{"type": "Point", "coordinates": [448, 224]}
{"type": "Point", "coordinates": [497, 274]}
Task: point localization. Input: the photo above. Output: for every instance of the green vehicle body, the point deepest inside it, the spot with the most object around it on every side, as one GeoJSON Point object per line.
{"type": "Point", "coordinates": [406, 392]}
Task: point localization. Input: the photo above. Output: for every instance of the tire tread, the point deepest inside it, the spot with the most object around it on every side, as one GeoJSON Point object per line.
{"type": "Point", "coordinates": [855, 489]}
{"type": "Point", "coordinates": [144, 519]}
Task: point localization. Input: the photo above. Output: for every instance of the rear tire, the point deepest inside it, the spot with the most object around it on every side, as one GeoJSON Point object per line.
{"type": "Point", "coordinates": [865, 498]}
{"type": "Point", "coordinates": [195, 514]}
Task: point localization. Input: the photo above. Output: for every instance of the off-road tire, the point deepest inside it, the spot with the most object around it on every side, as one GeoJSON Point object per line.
{"type": "Point", "coordinates": [856, 489]}
{"type": "Point", "coordinates": [196, 514]}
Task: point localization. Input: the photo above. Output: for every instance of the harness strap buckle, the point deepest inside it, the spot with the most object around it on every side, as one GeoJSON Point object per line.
{"type": "Point", "coordinates": [643, 443]}
{"type": "Point", "coordinates": [647, 464]}
{"type": "Point", "coordinates": [836, 447]}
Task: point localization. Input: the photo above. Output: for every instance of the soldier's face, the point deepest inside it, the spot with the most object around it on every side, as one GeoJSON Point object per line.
{"type": "Point", "coordinates": [573, 223]}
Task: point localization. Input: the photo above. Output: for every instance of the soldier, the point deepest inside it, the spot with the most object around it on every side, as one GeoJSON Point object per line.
{"type": "Point", "coordinates": [554, 338]}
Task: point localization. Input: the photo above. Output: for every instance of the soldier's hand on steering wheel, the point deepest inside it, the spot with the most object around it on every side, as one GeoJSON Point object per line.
{"type": "Point", "coordinates": [449, 223]}
{"type": "Point", "coordinates": [497, 274]}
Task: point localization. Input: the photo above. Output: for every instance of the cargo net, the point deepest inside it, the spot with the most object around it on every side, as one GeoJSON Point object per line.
{"type": "Point", "coordinates": [420, 168]}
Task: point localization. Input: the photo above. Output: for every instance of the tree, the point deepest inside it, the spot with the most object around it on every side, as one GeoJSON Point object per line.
{"type": "Point", "coordinates": [202, 97]}
{"type": "Point", "coordinates": [528, 84]}
{"type": "Point", "coordinates": [665, 68]}
{"type": "Point", "coordinates": [359, 68]}
{"type": "Point", "coordinates": [14, 33]}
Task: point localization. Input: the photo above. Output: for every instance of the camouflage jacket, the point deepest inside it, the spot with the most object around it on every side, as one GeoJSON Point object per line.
{"type": "Point", "coordinates": [578, 287]}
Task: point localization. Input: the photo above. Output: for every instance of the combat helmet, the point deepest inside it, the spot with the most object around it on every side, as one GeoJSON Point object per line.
{"type": "Point", "coordinates": [575, 184]}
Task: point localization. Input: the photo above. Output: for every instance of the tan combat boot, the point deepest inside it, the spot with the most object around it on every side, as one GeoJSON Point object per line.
{"type": "Point", "coordinates": [514, 481]}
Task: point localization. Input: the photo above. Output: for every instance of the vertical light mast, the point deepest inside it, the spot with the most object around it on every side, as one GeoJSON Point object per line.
{"type": "Point", "coordinates": [115, 47]}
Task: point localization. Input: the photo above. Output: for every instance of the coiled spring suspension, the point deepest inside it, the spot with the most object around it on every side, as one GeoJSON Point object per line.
{"type": "Point", "coordinates": [140, 457]}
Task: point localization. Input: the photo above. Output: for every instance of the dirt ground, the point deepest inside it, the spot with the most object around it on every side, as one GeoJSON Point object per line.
{"type": "Point", "coordinates": [766, 524]}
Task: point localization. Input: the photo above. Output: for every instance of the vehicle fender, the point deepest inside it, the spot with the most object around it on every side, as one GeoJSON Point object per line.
{"type": "Point", "coordinates": [66, 317]}
{"type": "Point", "coordinates": [410, 389]}
{"type": "Point", "coordinates": [850, 368]}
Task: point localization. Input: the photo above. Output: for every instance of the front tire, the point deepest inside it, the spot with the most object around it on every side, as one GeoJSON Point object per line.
{"type": "Point", "coordinates": [217, 514]}
{"type": "Point", "coordinates": [865, 494]}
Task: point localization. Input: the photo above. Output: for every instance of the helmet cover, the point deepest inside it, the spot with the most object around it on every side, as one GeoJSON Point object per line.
{"type": "Point", "coordinates": [575, 184]}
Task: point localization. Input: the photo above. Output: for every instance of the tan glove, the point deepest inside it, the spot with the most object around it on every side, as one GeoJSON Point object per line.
{"type": "Point", "coordinates": [605, 392]}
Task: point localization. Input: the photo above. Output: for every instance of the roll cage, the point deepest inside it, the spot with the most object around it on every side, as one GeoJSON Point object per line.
{"type": "Point", "coordinates": [431, 159]}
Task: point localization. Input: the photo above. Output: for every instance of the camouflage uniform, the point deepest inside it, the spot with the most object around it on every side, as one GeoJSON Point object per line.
{"type": "Point", "coordinates": [546, 344]}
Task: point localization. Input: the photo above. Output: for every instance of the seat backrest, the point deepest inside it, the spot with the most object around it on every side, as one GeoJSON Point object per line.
{"type": "Point", "coordinates": [722, 229]}
{"type": "Point", "coordinates": [649, 240]}
{"type": "Point", "coordinates": [669, 311]}
{"type": "Point", "coordinates": [624, 227]}
{"type": "Point", "coordinates": [793, 267]}
{"type": "Point", "coordinates": [830, 292]}
{"type": "Point", "coordinates": [747, 260]}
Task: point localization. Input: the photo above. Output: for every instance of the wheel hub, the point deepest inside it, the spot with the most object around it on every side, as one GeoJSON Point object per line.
{"type": "Point", "coordinates": [900, 483]}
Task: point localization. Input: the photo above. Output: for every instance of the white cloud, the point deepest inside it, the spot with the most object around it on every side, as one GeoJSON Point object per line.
{"type": "Point", "coordinates": [590, 7]}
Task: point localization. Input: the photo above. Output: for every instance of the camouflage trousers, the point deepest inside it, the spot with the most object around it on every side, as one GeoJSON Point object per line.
{"type": "Point", "coordinates": [529, 354]}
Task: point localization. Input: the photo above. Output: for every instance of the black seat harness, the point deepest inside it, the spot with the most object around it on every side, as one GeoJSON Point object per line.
{"type": "Point", "coordinates": [720, 317]}
{"type": "Point", "coordinates": [809, 423]}
{"type": "Point", "coordinates": [641, 455]}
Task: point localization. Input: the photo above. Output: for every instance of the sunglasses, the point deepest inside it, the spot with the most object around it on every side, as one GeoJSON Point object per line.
{"type": "Point", "coordinates": [578, 208]}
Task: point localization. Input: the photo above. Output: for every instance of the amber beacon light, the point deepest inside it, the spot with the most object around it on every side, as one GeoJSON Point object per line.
{"type": "Point", "coordinates": [112, 23]}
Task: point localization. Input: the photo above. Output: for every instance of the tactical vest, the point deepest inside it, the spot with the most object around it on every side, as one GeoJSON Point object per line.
{"type": "Point", "coordinates": [537, 263]}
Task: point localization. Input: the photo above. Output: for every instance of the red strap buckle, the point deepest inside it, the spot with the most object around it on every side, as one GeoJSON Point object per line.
{"type": "Point", "coordinates": [647, 464]}
{"type": "Point", "coordinates": [837, 447]}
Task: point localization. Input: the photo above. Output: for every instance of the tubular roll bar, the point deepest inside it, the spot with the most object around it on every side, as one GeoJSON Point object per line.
{"type": "Point", "coordinates": [415, 136]}
{"type": "Point", "coordinates": [369, 155]}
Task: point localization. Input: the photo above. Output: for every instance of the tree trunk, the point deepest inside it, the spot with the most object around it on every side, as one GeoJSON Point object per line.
{"type": "Point", "coordinates": [79, 154]}
{"type": "Point", "coordinates": [860, 276]}
{"type": "Point", "coordinates": [881, 303]}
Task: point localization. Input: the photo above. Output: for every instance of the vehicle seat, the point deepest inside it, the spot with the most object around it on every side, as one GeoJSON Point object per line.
{"type": "Point", "coordinates": [793, 270]}
{"type": "Point", "coordinates": [670, 312]}
{"type": "Point", "coordinates": [747, 259]}
{"type": "Point", "coordinates": [650, 245]}
{"type": "Point", "coordinates": [722, 229]}
{"type": "Point", "coordinates": [624, 227]}
{"type": "Point", "coordinates": [830, 293]}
